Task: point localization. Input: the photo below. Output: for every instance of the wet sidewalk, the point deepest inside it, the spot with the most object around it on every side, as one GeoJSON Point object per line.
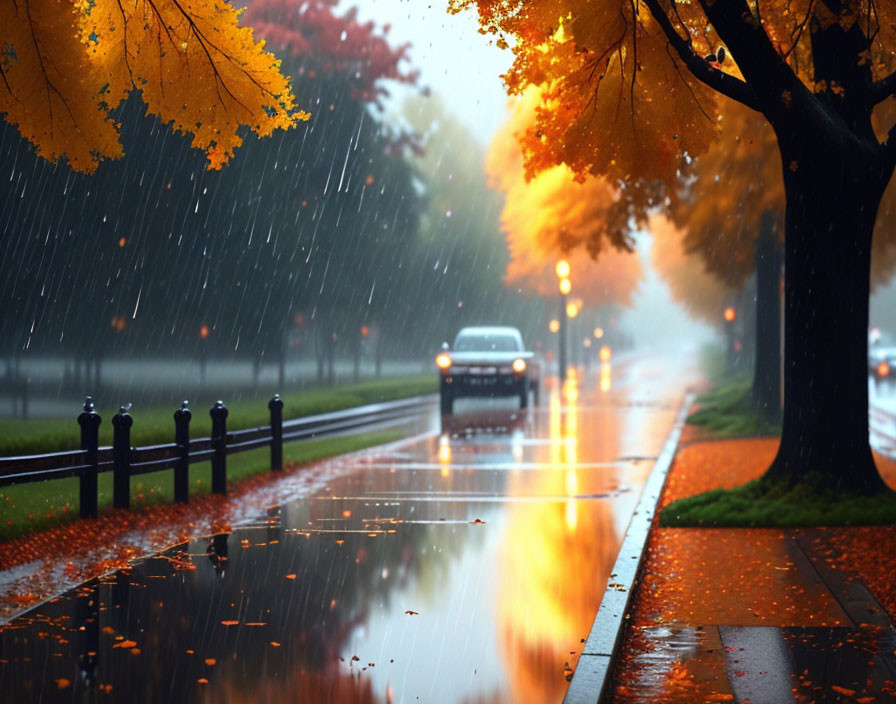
{"type": "Point", "coordinates": [759, 616]}
{"type": "Point", "coordinates": [459, 566]}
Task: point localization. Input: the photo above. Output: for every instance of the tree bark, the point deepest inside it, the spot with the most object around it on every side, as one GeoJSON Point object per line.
{"type": "Point", "coordinates": [766, 391]}
{"type": "Point", "coordinates": [832, 201]}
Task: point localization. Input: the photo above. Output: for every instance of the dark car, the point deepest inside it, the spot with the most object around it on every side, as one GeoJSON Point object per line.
{"type": "Point", "coordinates": [486, 361]}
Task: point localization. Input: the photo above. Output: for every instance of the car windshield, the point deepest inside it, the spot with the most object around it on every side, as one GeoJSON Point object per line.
{"type": "Point", "coordinates": [491, 342]}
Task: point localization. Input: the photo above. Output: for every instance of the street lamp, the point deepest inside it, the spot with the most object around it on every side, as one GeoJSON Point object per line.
{"type": "Point", "coordinates": [730, 315]}
{"type": "Point", "coordinates": [565, 286]}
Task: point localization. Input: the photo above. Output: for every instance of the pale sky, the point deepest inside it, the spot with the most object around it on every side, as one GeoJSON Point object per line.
{"type": "Point", "coordinates": [454, 60]}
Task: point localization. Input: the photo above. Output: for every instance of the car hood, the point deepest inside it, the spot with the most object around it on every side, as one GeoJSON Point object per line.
{"type": "Point", "coordinates": [487, 357]}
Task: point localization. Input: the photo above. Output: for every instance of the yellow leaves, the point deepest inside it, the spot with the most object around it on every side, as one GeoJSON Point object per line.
{"type": "Point", "coordinates": [49, 85]}
{"type": "Point", "coordinates": [67, 65]}
{"type": "Point", "coordinates": [555, 212]}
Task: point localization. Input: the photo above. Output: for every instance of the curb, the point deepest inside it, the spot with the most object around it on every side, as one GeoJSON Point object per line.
{"type": "Point", "coordinates": [589, 683]}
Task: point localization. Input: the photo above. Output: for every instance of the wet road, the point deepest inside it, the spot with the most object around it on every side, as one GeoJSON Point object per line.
{"type": "Point", "coordinates": [459, 567]}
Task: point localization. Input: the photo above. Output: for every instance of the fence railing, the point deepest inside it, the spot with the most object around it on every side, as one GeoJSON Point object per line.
{"type": "Point", "coordinates": [125, 461]}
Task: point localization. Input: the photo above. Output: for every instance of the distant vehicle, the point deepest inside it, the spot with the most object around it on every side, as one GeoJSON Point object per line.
{"type": "Point", "coordinates": [487, 361]}
{"type": "Point", "coordinates": [881, 357]}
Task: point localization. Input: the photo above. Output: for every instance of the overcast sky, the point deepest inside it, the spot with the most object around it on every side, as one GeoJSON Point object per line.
{"type": "Point", "coordinates": [454, 60]}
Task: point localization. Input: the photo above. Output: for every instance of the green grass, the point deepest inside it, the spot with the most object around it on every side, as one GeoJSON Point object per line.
{"type": "Point", "coordinates": [37, 506]}
{"type": "Point", "coordinates": [764, 504]}
{"type": "Point", "coordinates": [728, 411]}
{"type": "Point", "coordinates": [155, 425]}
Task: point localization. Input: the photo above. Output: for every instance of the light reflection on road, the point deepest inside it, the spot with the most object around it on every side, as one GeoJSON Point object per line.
{"type": "Point", "coordinates": [463, 567]}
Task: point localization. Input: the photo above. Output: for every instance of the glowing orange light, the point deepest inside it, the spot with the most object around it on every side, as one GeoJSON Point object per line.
{"type": "Point", "coordinates": [563, 269]}
{"type": "Point", "coordinates": [730, 314]}
{"type": "Point", "coordinates": [347, 513]}
{"type": "Point", "coordinates": [587, 342]}
{"type": "Point", "coordinates": [519, 365]}
{"type": "Point", "coordinates": [369, 180]}
{"type": "Point", "coordinates": [122, 242]}
{"type": "Point", "coordinates": [118, 323]}
{"type": "Point", "coordinates": [554, 326]}
{"type": "Point", "coordinates": [443, 361]}
{"type": "Point", "coordinates": [605, 353]}
{"type": "Point", "coordinates": [883, 369]}
{"type": "Point", "coordinates": [203, 331]}
{"type": "Point", "coordinates": [598, 333]}
{"type": "Point", "coordinates": [565, 286]}
{"type": "Point", "coordinates": [365, 331]}
{"type": "Point", "coordinates": [572, 310]}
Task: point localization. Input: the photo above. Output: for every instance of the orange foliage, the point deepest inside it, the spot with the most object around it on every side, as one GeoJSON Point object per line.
{"type": "Point", "coordinates": [67, 65]}
{"type": "Point", "coordinates": [554, 215]}
{"type": "Point", "coordinates": [686, 274]}
{"type": "Point", "coordinates": [729, 188]}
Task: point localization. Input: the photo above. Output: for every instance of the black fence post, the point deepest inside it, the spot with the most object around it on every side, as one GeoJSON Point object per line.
{"type": "Point", "coordinates": [218, 413]}
{"type": "Point", "coordinates": [182, 418]}
{"type": "Point", "coordinates": [89, 421]}
{"type": "Point", "coordinates": [276, 407]}
{"type": "Point", "coordinates": [121, 456]}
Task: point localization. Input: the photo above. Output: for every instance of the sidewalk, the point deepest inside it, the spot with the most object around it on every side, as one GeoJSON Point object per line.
{"type": "Point", "coordinates": [765, 616]}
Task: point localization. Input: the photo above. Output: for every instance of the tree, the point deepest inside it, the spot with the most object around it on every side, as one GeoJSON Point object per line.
{"type": "Point", "coordinates": [457, 261]}
{"type": "Point", "coordinates": [66, 67]}
{"type": "Point", "coordinates": [632, 93]}
{"type": "Point", "coordinates": [552, 215]}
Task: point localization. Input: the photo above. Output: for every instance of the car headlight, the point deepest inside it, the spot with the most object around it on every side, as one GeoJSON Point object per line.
{"type": "Point", "coordinates": [519, 365]}
{"type": "Point", "coordinates": [443, 362]}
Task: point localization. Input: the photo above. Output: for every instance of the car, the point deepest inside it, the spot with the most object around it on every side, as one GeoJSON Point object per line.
{"type": "Point", "coordinates": [881, 357]}
{"type": "Point", "coordinates": [486, 361]}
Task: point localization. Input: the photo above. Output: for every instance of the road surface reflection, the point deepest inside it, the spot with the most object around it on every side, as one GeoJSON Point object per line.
{"type": "Point", "coordinates": [463, 567]}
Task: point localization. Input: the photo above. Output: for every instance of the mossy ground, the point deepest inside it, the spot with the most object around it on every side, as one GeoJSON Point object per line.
{"type": "Point", "coordinates": [765, 504]}
{"type": "Point", "coordinates": [728, 412]}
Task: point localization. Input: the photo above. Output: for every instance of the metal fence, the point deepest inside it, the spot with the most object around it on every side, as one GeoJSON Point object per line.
{"type": "Point", "coordinates": [125, 461]}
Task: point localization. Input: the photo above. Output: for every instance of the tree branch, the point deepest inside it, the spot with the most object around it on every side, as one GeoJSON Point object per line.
{"type": "Point", "coordinates": [720, 81]}
{"type": "Point", "coordinates": [883, 89]}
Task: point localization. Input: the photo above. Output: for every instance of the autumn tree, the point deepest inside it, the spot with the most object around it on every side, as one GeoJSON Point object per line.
{"type": "Point", "coordinates": [67, 66]}
{"type": "Point", "coordinates": [456, 263]}
{"type": "Point", "coordinates": [633, 89]}
{"type": "Point", "coordinates": [552, 215]}
{"type": "Point", "coordinates": [731, 205]}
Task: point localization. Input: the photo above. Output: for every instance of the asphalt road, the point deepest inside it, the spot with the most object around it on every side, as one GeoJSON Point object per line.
{"type": "Point", "coordinates": [463, 565]}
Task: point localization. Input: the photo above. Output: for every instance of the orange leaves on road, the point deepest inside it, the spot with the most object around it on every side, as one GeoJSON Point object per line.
{"type": "Point", "coordinates": [68, 65]}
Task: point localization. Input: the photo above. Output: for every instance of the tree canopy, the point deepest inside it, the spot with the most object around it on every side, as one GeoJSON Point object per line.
{"type": "Point", "coordinates": [67, 66]}
{"type": "Point", "coordinates": [553, 214]}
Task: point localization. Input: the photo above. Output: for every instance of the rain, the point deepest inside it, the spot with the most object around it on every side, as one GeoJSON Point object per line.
{"type": "Point", "coordinates": [377, 351]}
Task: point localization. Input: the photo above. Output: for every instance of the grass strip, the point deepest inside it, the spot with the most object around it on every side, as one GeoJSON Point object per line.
{"type": "Point", "coordinates": [764, 504]}
{"type": "Point", "coordinates": [32, 507]}
{"type": "Point", "coordinates": [155, 425]}
{"type": "Point", "coordinates": [728, 412]}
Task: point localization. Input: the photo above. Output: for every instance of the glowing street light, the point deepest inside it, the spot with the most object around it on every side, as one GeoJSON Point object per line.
{"type": "Point", "coordinates": [598, 333]}
{"type": "Point", "coordinates": [554, 325]}
{"type": "Point", "coordinates": [572, 310]}
{"type": "Point", "coordinates": [565, 285]}
{"type": "Point", "coordinates": [730, 314]}
{"type": "Point", "coordinates": [562, 269]}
